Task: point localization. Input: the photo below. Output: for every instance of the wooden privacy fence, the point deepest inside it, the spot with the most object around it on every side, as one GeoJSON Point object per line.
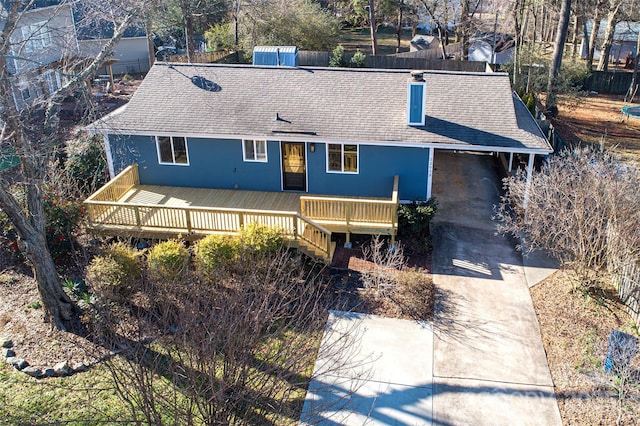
{"type": "Point", "coordinates": [625, 272]}
{"type": "Point", "coordinates": [626, 278]}
{"type": "Point", "coordinates": [615, 83]}
{"type": "Point", "coordinates": [200, 57]}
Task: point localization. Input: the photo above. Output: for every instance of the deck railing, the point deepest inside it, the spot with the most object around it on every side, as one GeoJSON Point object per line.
{"type": "Point", "coordinates": [206, 220]}
{"type": "Point", "coordinates": [118, 186]}
{"type": "Point", "coordinates": [353, 213]}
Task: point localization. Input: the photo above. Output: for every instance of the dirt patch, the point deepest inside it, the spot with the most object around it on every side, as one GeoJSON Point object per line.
{"type": "Point", "coordinates": [598, 119]}
{"type": "Point", "coordinates": [410, 296]}
{"type": "Point", "coordinates": [22, 321]}
{"type": "Point", "coordinates": [575, 328]}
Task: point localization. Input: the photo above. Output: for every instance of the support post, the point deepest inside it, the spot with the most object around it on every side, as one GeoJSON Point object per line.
{"type": "Point", "coordinates": [107, 151]}
{"type": "Point", "coordinates": [510, 161]}
{"type": "Point", "coordinates": [430, 172]}
{"type": "Point", "coordinates": [347, 218]}
{"type": "Point", "coordinates": [528, 183]}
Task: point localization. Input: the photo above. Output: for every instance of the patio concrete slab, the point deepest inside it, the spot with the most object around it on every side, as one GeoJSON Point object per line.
{"type": "Point", "coordinates": [371, 370]}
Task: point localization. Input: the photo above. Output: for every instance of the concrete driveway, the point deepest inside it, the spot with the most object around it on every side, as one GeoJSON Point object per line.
{"type": "Point", "coordinates": [489, 367]}
{"type": "Point", "coordinates": [371, 370]}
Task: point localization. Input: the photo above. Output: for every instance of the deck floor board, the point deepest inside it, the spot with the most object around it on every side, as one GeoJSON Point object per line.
{"type": "Point", "coordinates": [204, 197]}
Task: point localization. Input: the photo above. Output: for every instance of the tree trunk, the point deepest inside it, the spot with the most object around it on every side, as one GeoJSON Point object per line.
{"type": "Point", "coordinates": [465, 27]}
{"type": "Point", "coordinates": [593, 37]}
{"type": "Point", "coordinates": [518, 12]}
{"type": "Point", "coordinates": [577, 21]}
{"type": "Point", "coordinates": [612, 18]}
{"type": "Point", "coordinates": [636, 68]}
{"type": "Point", "coordinates": [399, 30]}
{"type": "Point", "coordinates": [188, 30]}
{"type": "Point", "coordinates": [372, 24]}
{"type": "Point", "coordinates": [558, 50]}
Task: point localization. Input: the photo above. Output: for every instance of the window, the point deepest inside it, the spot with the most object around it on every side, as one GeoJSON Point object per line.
{"type": "Point", "coordinates": [52, 81]}
{"type": "Point", "coordinates": [23, 87]}
{"type": "Point", "coordinates": [254, 150]}
{"type": "Point", "coordinates": [172, 150]}
{"type": "Point", "coordinates": [342, 158]}
{"type": "Point", "coordinates": [36, 36]}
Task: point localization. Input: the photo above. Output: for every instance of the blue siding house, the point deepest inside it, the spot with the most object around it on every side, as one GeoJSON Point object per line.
{"type": "Point", "coordinates": [314, 132]}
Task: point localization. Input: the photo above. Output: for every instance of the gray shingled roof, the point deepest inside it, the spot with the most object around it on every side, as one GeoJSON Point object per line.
{"type": "Point", "coordinates": [325, 104]}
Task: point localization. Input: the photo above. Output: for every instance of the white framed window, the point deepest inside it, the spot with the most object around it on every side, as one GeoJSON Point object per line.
{"type": "Point", "coordinates": [342, 158]}
{"type": "Point", "coordinates": [36, 36]}
{"type": "Point", "coordinates": [172, 150]}
{"type": "Point", "coordinates": [254, 150]}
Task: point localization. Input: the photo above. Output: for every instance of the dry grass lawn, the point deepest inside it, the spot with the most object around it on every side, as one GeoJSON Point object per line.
{"type": "Point", "coordinates": [598, 119]}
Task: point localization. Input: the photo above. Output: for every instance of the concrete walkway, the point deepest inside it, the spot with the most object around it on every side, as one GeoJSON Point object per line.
{"type": "Point", "coordinates": [489, 367]}
{"type": "Point", "coordinates": [371, 370]}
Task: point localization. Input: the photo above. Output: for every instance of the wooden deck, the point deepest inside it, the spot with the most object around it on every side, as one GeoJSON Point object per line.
{"type": "Point", "coordinates": [124, 207]}
{"type": "Point", "coordinates": [174, 196]}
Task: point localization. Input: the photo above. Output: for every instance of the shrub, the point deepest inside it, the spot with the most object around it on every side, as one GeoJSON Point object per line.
{"type": "Point", "coordinates": [63, 220]}
{"type": "Point", "coordinates": [413, 224]}
{"type": "Point", "coordinates": [116, 274]}
{"type": "Point", "coordinates": [215, 250]}
{"type": "Point", "coordinates": [168, 260]}
{"type": "Point", "coordinates": [86, 163]}
{"type": "Point", "coordinates": [219, 37]}
{"type": "Point", "coordinates": [337, 57]}
{"type": "Point", "coordinates": [357, 60]}
{"type": "Point", "coordinates": [261, 238]}
{"type": "Point", "coordinates": [415, 294]}
{"type": "Point", "coordinates": [127, 257]}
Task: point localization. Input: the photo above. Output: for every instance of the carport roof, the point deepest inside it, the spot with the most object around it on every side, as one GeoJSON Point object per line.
{"type": "Point", "coordinates": [463, 110]}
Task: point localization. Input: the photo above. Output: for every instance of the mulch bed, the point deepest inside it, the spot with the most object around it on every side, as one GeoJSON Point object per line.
{"type": "Point", "coordinates": [575, 328]}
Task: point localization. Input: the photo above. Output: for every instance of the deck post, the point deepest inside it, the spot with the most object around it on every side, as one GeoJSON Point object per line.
{"type": "Point", "coordinates": [295, 228]}
{"type": "Point", "coordinates": [510, 161]}
{"type": "Point", "coordinates": [187, 215]}
{"type": "Point", "coordinates": [347, 218]}
{"type": "Point", "coordinates": [241, 220]}
{"type": "Point", "coordinates": [138, 221]}
{"type": "Point", "coordinates": [528, 183]}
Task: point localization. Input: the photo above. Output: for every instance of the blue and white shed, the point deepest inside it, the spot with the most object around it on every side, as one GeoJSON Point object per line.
{"type": "Point", "coordinates": [284, 56]}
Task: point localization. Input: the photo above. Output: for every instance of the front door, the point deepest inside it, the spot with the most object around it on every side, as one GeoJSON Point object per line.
{"type": "Point", "coordinates": [294, 173]}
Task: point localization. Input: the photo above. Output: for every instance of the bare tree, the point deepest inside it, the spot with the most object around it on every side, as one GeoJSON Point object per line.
{"type": "Point", "coordinates": [613, 16]}
{"type": "Point", "coordinates": [593, 37]}
{"type": "Point", "coordinates": [31, 130]}
{"type": "Point", "coordinates": [577, 203]}
{"type": "Point", "coordinates": [232, 347]}
{"type": "Point", "coordinates": [374, 28]}
{"type": "Point", "coordinates": [558, 51]}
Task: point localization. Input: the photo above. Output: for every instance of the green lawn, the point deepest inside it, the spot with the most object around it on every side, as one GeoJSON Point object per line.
{"type": "Point", "coordinates": [360, 38]}
{"type": "Point", "coordinates": [81, 399]}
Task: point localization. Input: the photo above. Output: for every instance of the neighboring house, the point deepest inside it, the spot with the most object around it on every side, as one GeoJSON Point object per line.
{"type": "Point", "coordinates": [347, 144]}
{"type": "Point", "coordinates": [481, 48]}
{"type": "Point", "coordinates": [131, 54]}
{"type": "Point", "coordinates": [44, 39]}
{"type": "Point", "coordinates": [625, 40]}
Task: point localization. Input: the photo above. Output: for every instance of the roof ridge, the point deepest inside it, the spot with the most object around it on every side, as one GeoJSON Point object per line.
{"type": "Point", "coordinates": [330, 69]}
